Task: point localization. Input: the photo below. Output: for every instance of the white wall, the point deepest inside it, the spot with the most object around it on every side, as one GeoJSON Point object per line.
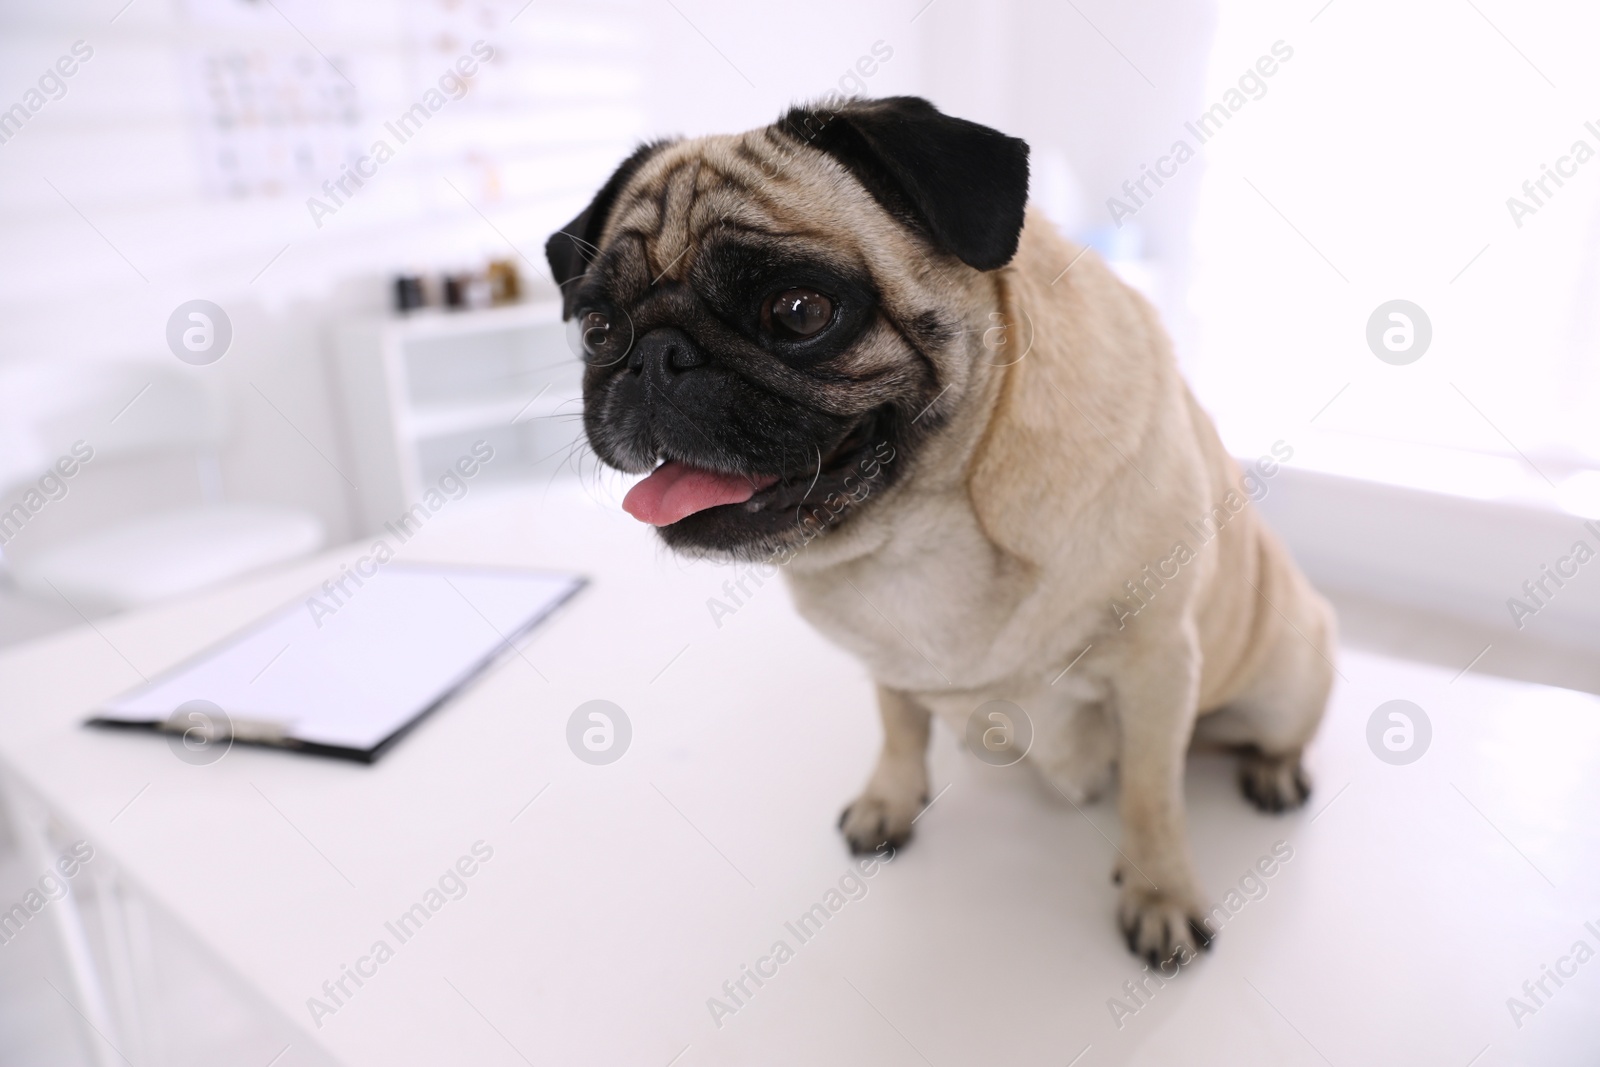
{"type": "Point", "coordinates": [110, 221]}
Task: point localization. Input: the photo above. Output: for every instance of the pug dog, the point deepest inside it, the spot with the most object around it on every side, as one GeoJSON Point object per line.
{"type": "Point", "coordinates": [845, 343]}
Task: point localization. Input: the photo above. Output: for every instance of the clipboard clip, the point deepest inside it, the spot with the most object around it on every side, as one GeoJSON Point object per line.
{"type": "Point", "coordinates": [212, 725]}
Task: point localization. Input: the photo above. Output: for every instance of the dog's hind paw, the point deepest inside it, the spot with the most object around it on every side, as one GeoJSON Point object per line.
{"type": "Point", "coordinates": [1274, 783]}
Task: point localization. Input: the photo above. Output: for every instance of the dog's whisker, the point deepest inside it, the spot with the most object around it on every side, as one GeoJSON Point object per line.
{"type": "Point", "coordinates": [814, 479]}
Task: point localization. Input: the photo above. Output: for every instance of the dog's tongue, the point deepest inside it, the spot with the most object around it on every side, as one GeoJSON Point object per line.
{"type": "Point", "coordinates": [675, 490]}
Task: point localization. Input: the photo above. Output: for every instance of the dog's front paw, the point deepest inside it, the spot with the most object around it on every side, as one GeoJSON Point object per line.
{"type": "Point", "coordinates": [874, 820]}
{"type": "Point", "coordinates": [1274, 783]}
{"type": "Point", "coordinates": [1158, 926]}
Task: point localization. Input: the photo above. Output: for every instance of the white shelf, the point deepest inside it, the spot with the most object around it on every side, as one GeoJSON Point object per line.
{"type": "Point", "coordinates": [421, 389]}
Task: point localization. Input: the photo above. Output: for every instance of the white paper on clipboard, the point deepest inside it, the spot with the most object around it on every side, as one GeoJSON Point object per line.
{"type": "Point", "coordinates": [350, 680]}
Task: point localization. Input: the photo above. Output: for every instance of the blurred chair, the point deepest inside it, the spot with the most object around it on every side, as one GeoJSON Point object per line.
{"type": "Point", "coordinates": [131, 411]}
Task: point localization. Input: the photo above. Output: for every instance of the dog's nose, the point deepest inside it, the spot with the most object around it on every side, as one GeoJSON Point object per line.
{"type": "Point", "coordinates": [665, 351]}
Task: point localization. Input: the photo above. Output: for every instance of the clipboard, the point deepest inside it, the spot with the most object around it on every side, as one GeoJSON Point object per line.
{"type": "Point", "coordinates": [352, 667]}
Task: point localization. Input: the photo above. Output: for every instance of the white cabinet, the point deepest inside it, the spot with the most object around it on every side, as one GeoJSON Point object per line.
{"type": "Point", "coordinates": [420, 391]}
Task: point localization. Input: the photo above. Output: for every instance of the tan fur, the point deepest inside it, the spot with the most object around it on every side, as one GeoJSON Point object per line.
{"type": "Point", "coordinates": [993, 566]}
{"type": "Point", "coordinates": [1054, 478]}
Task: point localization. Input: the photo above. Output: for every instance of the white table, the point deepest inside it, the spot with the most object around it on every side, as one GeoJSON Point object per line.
{"type": "Point", "coordinates": [1419, 898]}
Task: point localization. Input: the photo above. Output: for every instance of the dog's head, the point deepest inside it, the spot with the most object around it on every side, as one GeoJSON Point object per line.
{"type": "Point", "coordinates": [769, 320]}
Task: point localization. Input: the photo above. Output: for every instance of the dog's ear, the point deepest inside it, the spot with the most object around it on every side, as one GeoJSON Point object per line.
{"type": "Point", "coordinates": [962, 184]}
{"type": "Point", "coordinates": [572, 248]}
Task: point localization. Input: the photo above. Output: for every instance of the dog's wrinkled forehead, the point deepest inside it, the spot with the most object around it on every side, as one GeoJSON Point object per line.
{"type": "Point", "coordinates": [677, 199]}
{"type": "Point", "coordinates": [750, 191]}
{"type": "Point", "coordinates": [872, 183]}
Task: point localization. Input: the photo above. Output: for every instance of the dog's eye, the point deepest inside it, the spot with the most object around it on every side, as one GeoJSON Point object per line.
{"type": "Point", "coordinates": [797, 313]}
{"type": "Point", "coordinates": [598, 338]}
